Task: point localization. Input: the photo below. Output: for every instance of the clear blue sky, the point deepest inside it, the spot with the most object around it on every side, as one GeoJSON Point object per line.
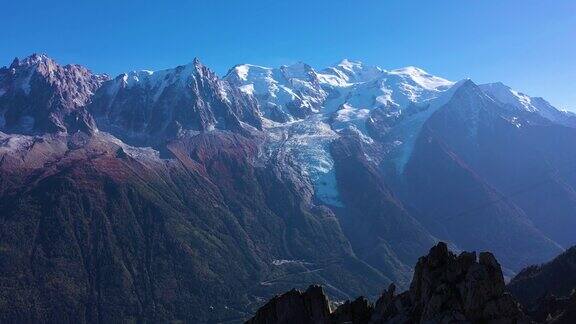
{"type": "Point", "coordinates": [529, 45]}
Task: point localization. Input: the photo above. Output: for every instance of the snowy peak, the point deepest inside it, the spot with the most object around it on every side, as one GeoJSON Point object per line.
{"type": "Point", "coordinates": [299, 71]}
{"type": "Point", "coordinates": [285, 93]}
{"type": "Point", "coordinates": [149, 107]}
{"type": "Point", "coordinates": [422, 78]}
{"type": "Point", "coordinates": [349, 65]}
{"type": "Point", "coordinates": [506, 95]}
{"type": "Point", "coordinates": [348, 71]}
{"type": "Point", "coordinates": [181, 73]}
{"type": "Point", "coordinates": [295, 91]}
{"type": "Point", "coordinates": [524, 103]}
{"type": "Point", "coordinates": [31, 60]}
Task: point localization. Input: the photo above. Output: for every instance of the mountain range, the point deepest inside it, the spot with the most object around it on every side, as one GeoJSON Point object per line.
{"type": "Point", "coordinates": [182, 195]}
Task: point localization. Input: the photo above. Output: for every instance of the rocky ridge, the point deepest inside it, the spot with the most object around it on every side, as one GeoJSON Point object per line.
{"type": "Point", "coordinates": [446, 288]}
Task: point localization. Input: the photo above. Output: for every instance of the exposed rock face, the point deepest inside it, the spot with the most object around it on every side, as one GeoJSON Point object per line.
{"type": "Point", "coordinates": [355, 312]}
{"type": "Point", "coordinates": [148, 108]}
{"type": "Point", "coordinates": [309, 307]}
{"type": "Point", "coordinates": [567, 311]}
{"type": "Point", "coordinates": [446, 288]}
{"type": "Point", "coordinates": [39, 96]}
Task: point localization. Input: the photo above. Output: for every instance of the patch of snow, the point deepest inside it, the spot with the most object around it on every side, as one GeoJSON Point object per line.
{"type": "Point", "coordinates": [347, 73]}
{"type": "Point", "coordinates": [349, 113]}
{"type": "Point", "coordinates": [506, 95]}
{"type": "Point", "coordinates": [279, 262]}
{"type": "Point", "coordinates": [138, 153]}
{"type": "Point", "coordinates": [248, 89]}
{"type": "Point", "coordinates": [422, 78]}
{"type": "Point", "coordinates": [14, 142]}
{"type": "Point", "coordinates": [332, 80]}
{"type": "Point", "coordinates": [223, 93]}
{"type": "Point", "coordinates": [242, 71]}
{"type": "Point", "coordinates": [516, 122]}
{"type": "Point", "coordinates": [297, 71]}
{"type": "Point", "coordinates": [363, 137]}
{"type": "Point", "coordinates": [403, 135]}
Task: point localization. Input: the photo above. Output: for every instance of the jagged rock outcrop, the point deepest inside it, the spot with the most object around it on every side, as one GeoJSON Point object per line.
{"type": "Point", "coordinates": [309, 307]}
{"type": "Point", "coordinates": [453, 288]}
{"type": "Point", "coordinates": [446, 288]}
{"type": "Point", "coordinates": [39, 96]}
{"type": "Point", "coordinates": [355, 312]}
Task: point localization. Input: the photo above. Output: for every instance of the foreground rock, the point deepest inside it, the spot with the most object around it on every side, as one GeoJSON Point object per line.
{"type": "Point", "coordinates": [446, 288]}
{"type": "Point", "coordinates": [295, 306]}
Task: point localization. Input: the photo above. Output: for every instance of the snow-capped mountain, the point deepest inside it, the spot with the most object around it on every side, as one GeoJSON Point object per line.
{"type": "Point", "coordinates": [285, 93]}
{"type": "Point", "coordinates": [148, 107]}
{"type": "Point", "coordinates": [349, 83]}
{"type": "Point", "coordinates": [524, 103]}
{"type": "Point", "coordinates": [298, 101]}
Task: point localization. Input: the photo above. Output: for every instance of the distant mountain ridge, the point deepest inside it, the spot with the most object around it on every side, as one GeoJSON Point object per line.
{"type": "Point", "coordinates": [115, 191]}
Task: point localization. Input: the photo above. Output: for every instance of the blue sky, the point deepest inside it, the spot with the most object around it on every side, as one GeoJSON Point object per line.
{"type": "Point", "coordinates": [529, 45]}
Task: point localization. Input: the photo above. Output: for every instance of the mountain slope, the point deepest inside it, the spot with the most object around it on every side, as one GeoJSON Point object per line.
{"type": "Point", "coordinates": [453, 199]}
{"type": "Point", "coordinates": [556, 277]}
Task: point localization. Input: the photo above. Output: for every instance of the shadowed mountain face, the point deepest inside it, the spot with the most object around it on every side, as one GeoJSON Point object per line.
{"type": "Point", "coordinates": [557, 277]}
{"type": "Point", "coordinates": [464, 199]}
{"type": "Point", "coordinates": [178, 195]}
{"type": "Point", "coordinates": [548, 291]}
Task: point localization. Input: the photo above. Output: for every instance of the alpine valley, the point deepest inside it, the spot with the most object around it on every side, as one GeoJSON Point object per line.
{"type": "Point", "coordinates": [179, 195]}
